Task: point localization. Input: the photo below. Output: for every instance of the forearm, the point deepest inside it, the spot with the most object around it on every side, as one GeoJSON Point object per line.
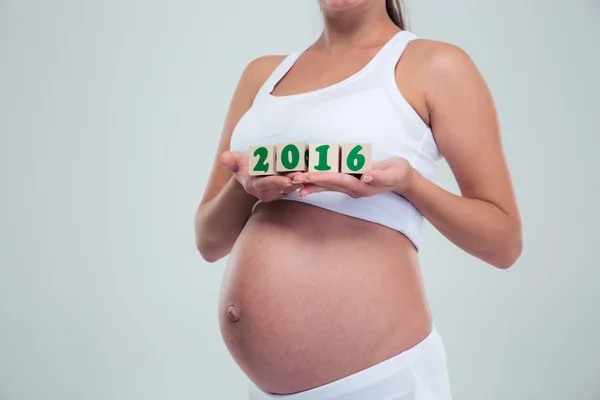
{"type": "Point", "coordinates": [219, 222]}
{"type": "Point", "coordinates": [477, 226]}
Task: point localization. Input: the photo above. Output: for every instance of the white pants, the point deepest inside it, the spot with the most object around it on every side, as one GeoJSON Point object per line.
{"type": "Point", "coordinates": [419, 373]}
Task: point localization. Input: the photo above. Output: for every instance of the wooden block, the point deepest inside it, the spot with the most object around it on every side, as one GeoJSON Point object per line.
{"type": "Point", "coordinates": [323, 157]}
{"type": "Point", "coordinates": [292, 157]}
{"type": "Point", "coordinates": [356, 158]}
{"type": "Point", "coordinates": [261, 160]}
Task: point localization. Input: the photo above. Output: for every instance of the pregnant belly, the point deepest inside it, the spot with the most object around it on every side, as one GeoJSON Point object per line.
{"type": "Point", "coordinates": [310, 296]}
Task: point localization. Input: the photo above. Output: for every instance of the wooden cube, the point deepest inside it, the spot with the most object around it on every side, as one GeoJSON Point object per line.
{"type": "Point", "coordinates": [324, 157]}
{"type": "Point", "coordinates": [292, 157]}
{"type": "Point", "coordinates": [356, 158]}
{"type": "Point", "coordinates": [261, 160]}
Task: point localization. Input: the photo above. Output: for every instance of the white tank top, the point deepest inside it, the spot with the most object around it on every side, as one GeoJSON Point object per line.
{"type": "Point", "coordinates": [364, 108]}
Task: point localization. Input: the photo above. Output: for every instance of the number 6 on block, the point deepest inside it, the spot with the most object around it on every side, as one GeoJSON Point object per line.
{"type": "Point", "coordinates": [261, 160]}
{"type": "Point", "coordinates": [356, 158]}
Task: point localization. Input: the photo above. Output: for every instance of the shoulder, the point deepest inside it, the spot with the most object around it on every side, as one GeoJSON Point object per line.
{"type": "Point", "coordinates": [430, 69]}
{"type": "Point", "coordinates": [437, 55]}
{"type": "Point", "coordinates": [441, 63]}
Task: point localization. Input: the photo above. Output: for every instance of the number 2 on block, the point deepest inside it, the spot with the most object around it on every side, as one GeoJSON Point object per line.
{"type": "Point", "coordinates": [261, 160]}
{"type": "Point", "coordinates": [261, 165]}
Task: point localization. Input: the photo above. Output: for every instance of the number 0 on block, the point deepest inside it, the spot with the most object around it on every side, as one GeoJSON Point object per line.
{"type": "Point", "coordinates": [292, 157]}
{"type": "Point", "coordinates": [261, 160]}
{"type": "Point", "coordinates": [356, 158]}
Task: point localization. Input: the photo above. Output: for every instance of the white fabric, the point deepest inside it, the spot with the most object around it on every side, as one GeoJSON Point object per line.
{"type": "Point", "coordinates": [364, 108]}
{"type": "Point", "coordinates": [419, 373]}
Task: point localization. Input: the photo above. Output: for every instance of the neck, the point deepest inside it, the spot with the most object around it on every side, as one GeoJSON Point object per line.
{"type": "Point", "coordinates": [361, 25]}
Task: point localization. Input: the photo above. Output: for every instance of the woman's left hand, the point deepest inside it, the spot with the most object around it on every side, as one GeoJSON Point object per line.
{"type": "Point", "coordinates": [390, 175]}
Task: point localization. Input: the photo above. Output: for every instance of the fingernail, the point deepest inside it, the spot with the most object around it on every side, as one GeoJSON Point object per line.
{"type": "Point", "coordinates": [367, 179]}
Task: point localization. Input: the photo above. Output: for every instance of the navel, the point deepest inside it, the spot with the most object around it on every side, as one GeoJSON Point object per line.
{"type": "Point", "coordinates": [233, 314]}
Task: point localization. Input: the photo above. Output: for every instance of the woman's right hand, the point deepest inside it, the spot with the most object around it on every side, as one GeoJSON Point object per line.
{"type": "Point", "coordinates": [264, 188]}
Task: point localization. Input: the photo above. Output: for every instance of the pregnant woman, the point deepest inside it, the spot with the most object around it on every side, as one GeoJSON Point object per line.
{"type": "Point", "coordinates": [323, 298]}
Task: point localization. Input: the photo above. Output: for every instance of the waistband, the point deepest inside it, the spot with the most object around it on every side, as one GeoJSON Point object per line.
{"type": "Point", "coordinates": [390, 377]}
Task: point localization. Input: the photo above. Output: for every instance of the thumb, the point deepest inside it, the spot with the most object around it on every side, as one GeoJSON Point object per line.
{"type": "Point", "coordinates": [376, 177]}
{"type": "Point", "coordinates": [230, 160]}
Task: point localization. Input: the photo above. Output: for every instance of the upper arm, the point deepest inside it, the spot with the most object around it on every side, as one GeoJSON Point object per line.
{"type": "Point", "coordinates": [253, 78]}
{"type": "Point", "coordinates": [465, 124]}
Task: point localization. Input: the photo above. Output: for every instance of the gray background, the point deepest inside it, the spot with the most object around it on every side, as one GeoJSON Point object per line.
{"type": "Point", "coordinates": [110, 114]}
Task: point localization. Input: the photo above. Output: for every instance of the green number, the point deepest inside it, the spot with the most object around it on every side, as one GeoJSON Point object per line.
{"type": "Point", "coordinates": [290, 156]}
{"type": "Point", "coordinates": [355, 161]}
{"type": "Point", "coordinates": [306, 157]}
{"type": "Point", "coordinates": [262, 165]}
{"type": "Point", "coordinates": [322, 165]}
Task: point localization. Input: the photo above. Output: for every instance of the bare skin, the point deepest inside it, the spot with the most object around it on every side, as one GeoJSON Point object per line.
{"type": "Point", "coordinates": [298, 311]}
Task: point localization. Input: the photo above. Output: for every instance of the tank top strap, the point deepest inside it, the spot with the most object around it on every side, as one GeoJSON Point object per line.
{"type": "Point", "coordinates": [282, 69]}
{"type": "Point", "coordinates": [394, 51]}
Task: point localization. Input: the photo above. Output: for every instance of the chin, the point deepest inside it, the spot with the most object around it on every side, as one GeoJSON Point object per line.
{"type": "Point", "coordinates": [341, 4]}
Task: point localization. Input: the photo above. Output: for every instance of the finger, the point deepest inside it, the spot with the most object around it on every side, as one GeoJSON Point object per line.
{"type": "Point", "coordinates": [274, 182]}
{"type": "Point", "coordinates": [334, 181]}
{"type": "Point", "coordinates": [343, 183]}
{"type": "Point", "coordinates": [297, 177]}
{"type": "Point", "coordinates": [230, 160]}
{"type": "Point", "coordinates": [310, 189]}
{"type": "Point", "coordinates": [290, 189]}
{"type": "Point", "coordinates": [375, 178]}
{"type": "Point", "coordinates": [291, 175]}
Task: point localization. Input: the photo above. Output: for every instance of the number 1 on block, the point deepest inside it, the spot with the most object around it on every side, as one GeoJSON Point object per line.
{"type": "Point", "coordinates": [356, 158]}
{"type": "Point", "coordinates": [261, 160]}
{"type": "Point", "coordinates": [324, 157]}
